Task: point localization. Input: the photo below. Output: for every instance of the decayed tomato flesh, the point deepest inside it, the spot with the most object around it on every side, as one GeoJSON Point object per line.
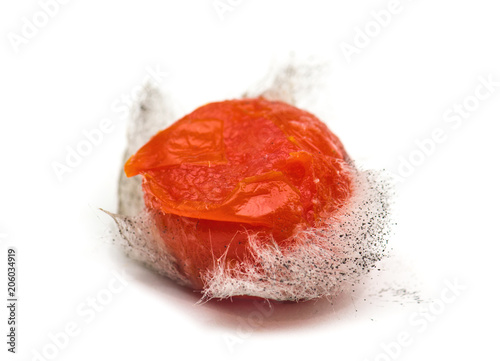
{"type": "Point", "coordinates": [239, 167]}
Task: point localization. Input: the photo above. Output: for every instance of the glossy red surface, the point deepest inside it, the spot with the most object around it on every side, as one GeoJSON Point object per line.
{"type": "Point", "coordinates": [235, 168]}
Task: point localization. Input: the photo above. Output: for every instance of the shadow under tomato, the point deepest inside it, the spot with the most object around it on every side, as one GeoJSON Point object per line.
{"type": "Point", "coordinates": [243, 313]}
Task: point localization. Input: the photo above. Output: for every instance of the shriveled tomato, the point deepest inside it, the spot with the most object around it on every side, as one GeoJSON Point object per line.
{"type": "Point", "coordinates": [238, 169]}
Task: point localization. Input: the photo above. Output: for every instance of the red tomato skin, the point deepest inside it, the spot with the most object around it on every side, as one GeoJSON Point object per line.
{"type": "Point", "coordinates": [239, 168]}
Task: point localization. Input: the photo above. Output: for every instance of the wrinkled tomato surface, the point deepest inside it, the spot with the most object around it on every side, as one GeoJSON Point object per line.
{"type": "Point", "coordinates": [239, 168]}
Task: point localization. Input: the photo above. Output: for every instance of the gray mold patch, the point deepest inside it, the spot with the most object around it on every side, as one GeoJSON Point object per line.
{"type": "Point", "coordinates": [322, 261]}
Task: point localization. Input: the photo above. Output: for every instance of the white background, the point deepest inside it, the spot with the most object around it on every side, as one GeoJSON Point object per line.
{"type": "Point", "coordinates": [393, 93]}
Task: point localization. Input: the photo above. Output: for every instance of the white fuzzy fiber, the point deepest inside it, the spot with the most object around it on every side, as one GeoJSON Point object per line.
{"type": "Point", "coordinates": [322, 261]}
